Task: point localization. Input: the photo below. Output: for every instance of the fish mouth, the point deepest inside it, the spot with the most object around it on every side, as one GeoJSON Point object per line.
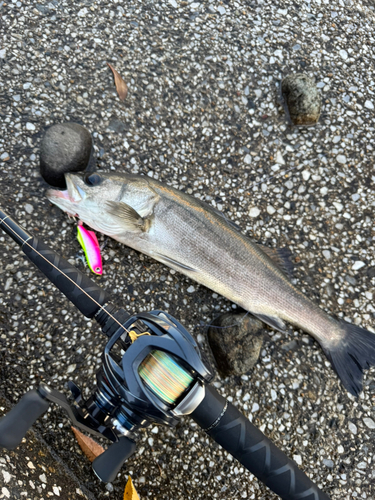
{"type": "Point", "coordinates": [69, 198]}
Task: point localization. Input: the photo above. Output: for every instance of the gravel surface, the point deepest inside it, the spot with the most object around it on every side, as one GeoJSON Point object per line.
{"type": "Point", "coordinates": [202, 115]}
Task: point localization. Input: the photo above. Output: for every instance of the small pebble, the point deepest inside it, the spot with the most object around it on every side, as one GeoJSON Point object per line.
{"type": "Point", "coordinates": [369, 423]}
{"type": "Point", "coordinates": [352, 428]}
{"type": "Point", "coordinates": [302, 101]}
{"type": "Point", "coordinates": [338, 206]}
{"type": "Point", "coordinates": [357, 265]}
{"type": "Point", "coordinates": [254, 212]}
{"type": "Point", "coordinates": [7, 477]}
{"type": "Point", "coordinates": [343, 54]}
{"type": "Point", "coordinates": [247, 159]}
{"type": "Point", "coordinates": [254, 408]}
{"type": "Point", "coordinates": [279, 158]}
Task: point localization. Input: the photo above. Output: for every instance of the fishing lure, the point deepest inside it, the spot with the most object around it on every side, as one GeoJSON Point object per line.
{"type": "Point", "coordinates": [89, 242]}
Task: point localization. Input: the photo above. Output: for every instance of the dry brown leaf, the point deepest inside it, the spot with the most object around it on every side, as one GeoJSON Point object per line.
{"type": "Point", "coordinates": [90, 448]}
{"type": "Point", "coordinates": [130, 492]}
{"type": "Point", "coordinates": [121, 87]}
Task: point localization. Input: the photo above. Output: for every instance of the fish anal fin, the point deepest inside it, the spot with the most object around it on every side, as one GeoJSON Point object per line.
{"type": "Point", "coordinates": [281, 257]}
{"type": "Point", "coordinates": [128, 217]}
{"type": "Point", "coordinates": [272, 321]}
{"type": "Point", "coordinates": [172, 262]}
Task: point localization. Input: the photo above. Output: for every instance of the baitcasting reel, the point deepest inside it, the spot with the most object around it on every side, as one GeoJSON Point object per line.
{"type": "Point", "coordinates": [152, 372]}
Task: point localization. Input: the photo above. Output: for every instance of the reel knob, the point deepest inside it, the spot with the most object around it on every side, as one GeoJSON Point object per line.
{"type": "Point", "coordinates": [15, 424]}
{"type": "Point", "coordinates": [107, 465]}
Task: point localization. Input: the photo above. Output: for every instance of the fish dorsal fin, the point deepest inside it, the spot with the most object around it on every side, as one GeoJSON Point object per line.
{"type": "Point", "coordinates": [129, 218]}
{"type": "Point", "coordinates": [171, 262]}
{"type": "Point", "coordinates": [272, 321]}
{"type": "Point", "coordinates": [281, 257]}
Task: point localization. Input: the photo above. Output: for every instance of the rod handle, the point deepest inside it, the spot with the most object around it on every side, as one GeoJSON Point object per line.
{"type": "Point", "coordinates": [236, 434]}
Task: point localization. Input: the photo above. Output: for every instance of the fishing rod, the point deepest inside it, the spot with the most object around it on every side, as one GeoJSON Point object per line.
{"type": "Point", "coordinates": [152, 372]}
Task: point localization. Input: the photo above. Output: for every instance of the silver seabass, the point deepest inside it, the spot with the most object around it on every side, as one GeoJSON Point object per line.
{"type": "Point", "coordinates": [194, 239]}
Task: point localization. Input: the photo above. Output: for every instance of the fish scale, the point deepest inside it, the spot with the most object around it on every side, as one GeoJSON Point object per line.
{"type": "Point", "coordinates": [191, 237]}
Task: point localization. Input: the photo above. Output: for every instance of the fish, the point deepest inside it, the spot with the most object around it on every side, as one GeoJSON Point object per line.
{"type": "Point", "coordinates": [195, 239]}
{"type": "Point", "coordinates": [89, 243]}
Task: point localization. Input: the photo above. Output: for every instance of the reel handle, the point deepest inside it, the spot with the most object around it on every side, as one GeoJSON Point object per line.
{"type": "Point", "coordinates": [236, 434]}
{"type": "Point", "coordinates": [107, 465]}
{"type": "Point", "coordinates": [15, 424]}
{"type": "Point", "coordinates": [84, 293]}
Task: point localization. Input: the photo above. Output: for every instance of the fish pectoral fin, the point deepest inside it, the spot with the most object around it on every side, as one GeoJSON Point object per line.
{"type": "Point", "coordinates": [172, 262]}
{"type": "Point", "coordinates": [128, 217]}
{"type": "Point", "coordinates": [281, 257]}
{"type": "Point", "coordinates": [272, 321]}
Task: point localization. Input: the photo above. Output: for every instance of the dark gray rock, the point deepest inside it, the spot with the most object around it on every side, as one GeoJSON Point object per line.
{"type": "Point", "coordinates": [235, 341]}
{"type": "Point", "coordinates": [301, 99]}
{"type": "Point", "coordinates": [65, 147]}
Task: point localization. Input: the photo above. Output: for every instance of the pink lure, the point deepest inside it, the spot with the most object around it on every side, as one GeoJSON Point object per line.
{"type": "Point", "coordinates": [90, 245]}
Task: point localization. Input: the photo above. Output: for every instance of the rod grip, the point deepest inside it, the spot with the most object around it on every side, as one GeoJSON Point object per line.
{"type": "Point", "coordinates": [84, 293]}
{"type": "Point", "coordinates": [236, 434]}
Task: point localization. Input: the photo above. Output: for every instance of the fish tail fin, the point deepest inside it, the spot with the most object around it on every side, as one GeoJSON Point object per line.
{"type": "Point", "coordinates": [354, 354]}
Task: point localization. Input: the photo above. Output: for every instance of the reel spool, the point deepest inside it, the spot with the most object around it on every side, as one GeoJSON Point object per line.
{"type": "Point", "coordinates": [165, 377]}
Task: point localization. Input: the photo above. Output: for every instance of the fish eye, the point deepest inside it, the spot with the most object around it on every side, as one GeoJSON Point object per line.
{"type": "Point", "coordinates": [92, 179]}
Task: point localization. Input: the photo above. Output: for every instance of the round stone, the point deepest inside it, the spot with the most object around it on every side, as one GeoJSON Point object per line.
{"type": "Point", "coordinates": [301, 99]}
{"type": "Point", "coordinates": [235, 341]}
{"type": "Point", "coordinates": [65, 147]}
